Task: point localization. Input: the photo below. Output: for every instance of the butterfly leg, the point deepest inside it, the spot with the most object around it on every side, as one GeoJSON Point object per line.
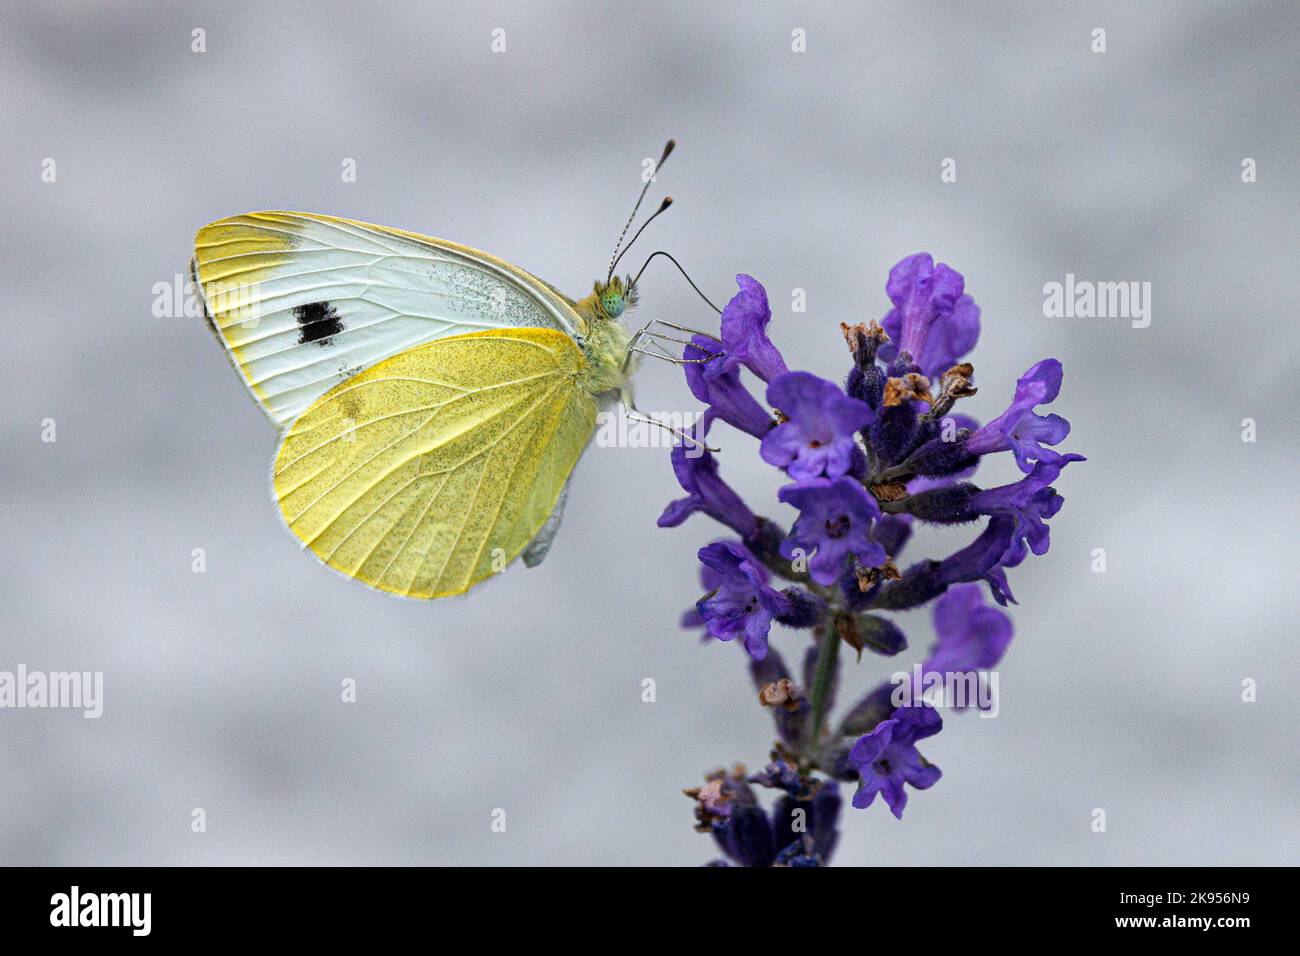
{"type": "Point", "coordinates": [634, 414]}
{"type": "Point", "coordinates": [632, 344]}
{"type": "Point", "coordinates": [649, 336]}
{"type": "Point", "coordinates": [665, 355]}
{"type": "Point", "coordinates": [656, 335]}
{"type": "Point", "coordinates": [682, 328]}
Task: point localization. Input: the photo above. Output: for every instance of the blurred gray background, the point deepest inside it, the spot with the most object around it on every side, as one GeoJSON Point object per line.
{"type": "Point", "coordinates": [813, 170]}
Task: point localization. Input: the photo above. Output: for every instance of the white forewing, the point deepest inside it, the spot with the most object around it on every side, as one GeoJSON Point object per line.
{"type": "Point", "coordinates": [302, 301]}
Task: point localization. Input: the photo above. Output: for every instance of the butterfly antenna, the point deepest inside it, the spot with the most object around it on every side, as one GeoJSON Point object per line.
{"type": "Point", "coordinates": [668, 201]}
{"type": "Point", "coordinates": [663, 158]}
{"type": "Point", "coordinates": [679, 269]}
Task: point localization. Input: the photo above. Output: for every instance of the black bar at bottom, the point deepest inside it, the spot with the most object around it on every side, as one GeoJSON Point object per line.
{"type": "Point", "coordinates": [346, 904]}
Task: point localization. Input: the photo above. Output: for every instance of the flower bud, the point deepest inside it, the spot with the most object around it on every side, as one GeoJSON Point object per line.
{"type": "Point", "coordinates": [950, 505]}
{"type": "Point", "coordinates": [937, 457]}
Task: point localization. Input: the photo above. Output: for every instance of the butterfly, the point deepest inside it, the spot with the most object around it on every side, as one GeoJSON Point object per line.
{"type": "Point", "coordinates": [433, 399]}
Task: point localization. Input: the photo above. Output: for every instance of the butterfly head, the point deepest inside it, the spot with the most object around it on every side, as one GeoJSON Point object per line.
{"type": "Point", "coordinates": [614, 297]}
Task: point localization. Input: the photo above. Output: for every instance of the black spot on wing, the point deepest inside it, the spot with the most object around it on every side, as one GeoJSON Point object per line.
{"type": "Point", "coordinates": [317, 322]}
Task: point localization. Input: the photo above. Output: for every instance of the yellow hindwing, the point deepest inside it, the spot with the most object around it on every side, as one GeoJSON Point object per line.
{"type": "Point", "coordinates": [426, 473]}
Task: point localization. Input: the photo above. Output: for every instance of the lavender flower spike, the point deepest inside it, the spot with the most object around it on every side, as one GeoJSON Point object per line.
{"type": "Point", "coordinates": [867, 464]}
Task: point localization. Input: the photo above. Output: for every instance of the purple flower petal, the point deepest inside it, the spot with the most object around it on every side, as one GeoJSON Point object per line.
{"type": "Point", "coordinates": [835, 521]}
{"type": "Point", "coordinates": [932, 320]}
{"type": "Point", "coordinates": [972, 635]}
{"type": "Point", "coordinates": [1019, 428]}
{"type": "Point", "coordinates": [721, 389]}
{"type": "Point", "coordinates": [744, 333]}
{"type": "Point", "coordinates": [697, 473]}
{"type": "Point", "coordinates": [742, 605]}
{"type": "Point", "coordinates": [1029, 503]}
{"type": "Point", "coordinates": [887, 758]}
{"type": "Point", "coordinates": [819, 436]}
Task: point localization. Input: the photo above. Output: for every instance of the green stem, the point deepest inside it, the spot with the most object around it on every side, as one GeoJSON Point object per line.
{"type": "Point", "coordinates": [823, 677]}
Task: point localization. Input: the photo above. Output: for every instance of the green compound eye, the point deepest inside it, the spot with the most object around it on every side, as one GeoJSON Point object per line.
{"type": "Point", "coordinates": [612, 304]}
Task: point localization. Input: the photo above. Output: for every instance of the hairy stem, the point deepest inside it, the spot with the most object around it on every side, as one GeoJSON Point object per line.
{"type": "Point", "coordinates": [828, 651]}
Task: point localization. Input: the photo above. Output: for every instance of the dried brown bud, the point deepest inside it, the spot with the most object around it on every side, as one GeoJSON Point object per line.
{"type": "Point", "coordinates": [853, 334]}
{"type": "Point", "coordinates": [780, 693]}
{"type": "Point", "coordinates": [957, 380]}
{"type": "Point", "coordinates": [890, 491]}
{"type": "Point", "coordinates": [847, 630]}
{"type": "Point", "coordinates": [911, 387]}
{"type": "Point", "coordinates": [867, 577]}
{"type": "Point", "coordinates": [864, 341]}
{"type": "Point", "coordinates": [710, 802]}
{"type": "Point", "coordinates": [953, 384]}
{"type": "Point", "coordinates": [782, 752]}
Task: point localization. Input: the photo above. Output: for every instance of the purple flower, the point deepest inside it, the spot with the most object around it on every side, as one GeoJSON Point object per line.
{"type": "Point", "coordinates": [835, 518]}
{"type": "Point", "coordinates": [1029, 502]}
{"type": "Point", "coordinates": [780, 775]}
{"type": "Point", "coordinates": [719, 387]}
{"type": "Point", "coordinates": [742, 605]}
{"type": "Point", "coordinates": [744, 333]}
{"type": "Point", "coordinates": [726, 806]}
{"type": "Point", "coordinates": [697, 473]}
{"type": "Point", "coordinates": [972, 635]}
{"type": "Point", "coordinates": [981, 560]}
{"type": "Point", "coordinates": [887, 758]}
{"type": "Point", "coordinates": [809, 837]}
{"type": "Point", "coordinates": [745, 835]}
{"type": "Point", "coordinates": [691, 617]}
{"type": "Point", "coordinates": [801, 830]}
{"type": "Point", "coordinates": [818, 436]}
{"type": "Point", "coordinates": [1019, 428]}
{"type": "Point", "coordinates": [931, 320]}
{"type": "Point", "coordinates": [888, 440]}
{"type": "Point", "coordinates": [942, 458]}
